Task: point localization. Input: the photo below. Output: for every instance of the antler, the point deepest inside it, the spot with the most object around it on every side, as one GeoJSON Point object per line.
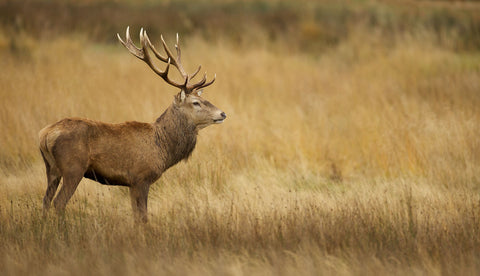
{"type": "Point", "coordinates": [143, 54]}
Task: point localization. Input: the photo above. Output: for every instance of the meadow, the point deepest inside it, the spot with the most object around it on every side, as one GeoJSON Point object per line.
{"type": "Point", "coordinates": [342, 154]}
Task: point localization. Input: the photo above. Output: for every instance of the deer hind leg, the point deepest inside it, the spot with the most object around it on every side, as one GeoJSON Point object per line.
{"type": "Point", "coordinates": [139, 197]}
{"type": "Point", "coordinates": [70, 183]}
{"type": "Point", "coordinates": [53, 179]}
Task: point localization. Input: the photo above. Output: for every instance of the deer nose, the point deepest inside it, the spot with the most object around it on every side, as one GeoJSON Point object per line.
{"type": "Point", "coordinates": [223, 115]}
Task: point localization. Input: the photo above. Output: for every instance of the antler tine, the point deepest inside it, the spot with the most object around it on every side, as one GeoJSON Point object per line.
{"type": "Point", "coordinates": [202, 83]}
{"type": "Point", "coordinates": [208, 83]}
{"type": "Point", "coordinates": [130, 45]}
{"type": "Point", "coordinates": [196, 72]}
{"type": "Point", "coordinates": [177, 47]}
{"type": "Point", "coordinates": [157, 54]}
{"type": "Point", "coordinates": [167, 68]}
{"type": "Point", "coordinates": [175, 61]}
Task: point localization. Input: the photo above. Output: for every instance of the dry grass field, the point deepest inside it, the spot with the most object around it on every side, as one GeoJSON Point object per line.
{"type": "Point", "coordinates": [362, 158]}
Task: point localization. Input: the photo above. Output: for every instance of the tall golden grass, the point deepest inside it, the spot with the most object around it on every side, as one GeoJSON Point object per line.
{"type": "Point", "coordinates": [364, 159]}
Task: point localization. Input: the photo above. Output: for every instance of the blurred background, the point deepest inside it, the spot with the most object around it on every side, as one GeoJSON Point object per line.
{"type": "Point", "coordinates": [304, 25]}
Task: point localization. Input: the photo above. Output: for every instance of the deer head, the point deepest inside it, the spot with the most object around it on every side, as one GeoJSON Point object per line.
{"type": "Point", "coordinates": [188, 101]}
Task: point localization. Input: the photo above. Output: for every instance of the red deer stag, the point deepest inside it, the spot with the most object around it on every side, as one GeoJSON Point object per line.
{"type": "Point", "coordinates": [131, 154]}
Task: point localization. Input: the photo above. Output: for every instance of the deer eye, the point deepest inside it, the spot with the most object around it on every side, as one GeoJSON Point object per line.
{"type": "Point", "coordinates": [196, 103]}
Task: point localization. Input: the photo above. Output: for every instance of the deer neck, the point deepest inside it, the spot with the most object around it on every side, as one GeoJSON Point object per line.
{"type": "Point", "coordinates": [176, 136]}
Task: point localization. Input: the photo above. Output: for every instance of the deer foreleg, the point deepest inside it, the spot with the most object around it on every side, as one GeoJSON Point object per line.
{"type": "Point", "coordinates": [139, 197]}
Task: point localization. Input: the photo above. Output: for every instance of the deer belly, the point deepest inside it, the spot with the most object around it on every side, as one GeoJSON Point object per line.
{"type": "Point", "coordinates": [106, 180]}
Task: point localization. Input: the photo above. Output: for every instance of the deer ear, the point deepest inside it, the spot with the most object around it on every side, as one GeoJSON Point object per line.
{"type": "Point", "coordinates": [199, 92]}
{"type": "Point", "coordinates": [182, 96]}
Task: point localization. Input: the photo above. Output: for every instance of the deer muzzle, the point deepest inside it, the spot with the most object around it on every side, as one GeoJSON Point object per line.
{"type": "Point", "coordinates": [220, 120]}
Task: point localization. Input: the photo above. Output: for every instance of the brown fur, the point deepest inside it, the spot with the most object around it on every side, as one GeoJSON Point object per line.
{"type": "Point", "coordinates": [129, 154]}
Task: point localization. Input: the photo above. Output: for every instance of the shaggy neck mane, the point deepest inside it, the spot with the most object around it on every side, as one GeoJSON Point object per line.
{"type": "Point", "coordinates": [175, 135]}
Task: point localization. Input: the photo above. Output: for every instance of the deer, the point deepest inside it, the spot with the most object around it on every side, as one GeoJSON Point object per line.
{"type": "Point", "coordinates": [132, 154]}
